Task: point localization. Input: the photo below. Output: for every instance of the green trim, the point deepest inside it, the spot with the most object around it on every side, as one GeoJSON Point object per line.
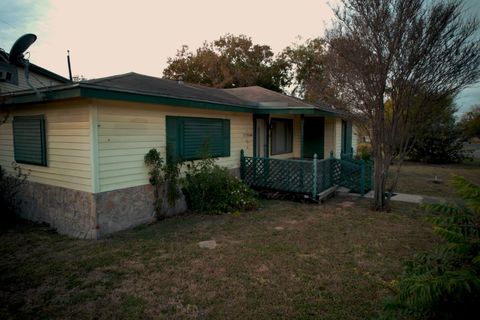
{"type": "Point", "coordinates": [80, 90]}
{"type": "Point", "coordinates": [302, 127]}
{"type": "Point", "coordinates": [145, 98]}
{"type": "Point", "coordinates": [94, 162]}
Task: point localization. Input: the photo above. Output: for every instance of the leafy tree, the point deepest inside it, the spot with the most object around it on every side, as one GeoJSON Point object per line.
{"type": "Point", "coordinates": [441, 141]}
{"type": "Point", "coordinates": [307, 62]}
{"type": "Point", "coordinates": [470, 122]}
{"type": "Point", "coordinates": [406, 51]}
{"type": "Point", "coordinates": [445, 283]}
{"type": "Point", "coordinates": [231, 61]}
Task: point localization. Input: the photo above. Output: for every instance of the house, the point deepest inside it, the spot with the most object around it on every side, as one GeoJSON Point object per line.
{"type": "Point", "coordinates": [84, 143]}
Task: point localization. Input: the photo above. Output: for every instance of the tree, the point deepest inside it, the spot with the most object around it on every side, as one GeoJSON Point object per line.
{"type": "Point", "coordinates": [231, 61]}
{"type": "Point", "coordinates": [307, 62]}
{"type": "Point", "coordinates": [411, 52]}
{"type": "Point", "coordinates": [441, 139]}
{"type": "Point", "coordinates": [470, 122]}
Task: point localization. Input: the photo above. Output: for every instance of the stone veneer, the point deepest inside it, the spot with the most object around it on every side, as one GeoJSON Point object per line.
{"type": "Point", "coordinates": [70, 212]}
{"type": "Point", "coordinates": [124, 208]}
{"type": "Point", "coordinates": [85, 215]}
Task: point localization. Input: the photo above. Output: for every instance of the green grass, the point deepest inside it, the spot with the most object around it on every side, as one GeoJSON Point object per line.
{"type": "Point", "coordinates": [326, 262]}
{"type": "Point", "coordinates": [415, 178]}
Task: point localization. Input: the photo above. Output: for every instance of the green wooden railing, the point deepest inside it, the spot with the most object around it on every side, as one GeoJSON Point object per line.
{"type": "Point", "coordinates": [305, 176]}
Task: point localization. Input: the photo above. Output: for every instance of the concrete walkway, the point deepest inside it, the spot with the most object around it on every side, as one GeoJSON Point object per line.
{"type": "Point", "coordinates": [410, 198]}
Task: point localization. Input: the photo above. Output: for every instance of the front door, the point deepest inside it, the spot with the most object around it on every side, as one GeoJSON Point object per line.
{"type": "Point", "coordinates": [261, 141]}
{"type": "Point", "coordinates": [313, 137]}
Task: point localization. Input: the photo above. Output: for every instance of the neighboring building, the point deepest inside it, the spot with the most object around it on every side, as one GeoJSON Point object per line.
{"type": "Point", "coordinates": [16, 77]}
{"type": "Point", "coordinates": [84, 143]}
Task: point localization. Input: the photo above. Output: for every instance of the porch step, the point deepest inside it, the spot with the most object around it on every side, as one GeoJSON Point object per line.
{"type": "Point", "coordinates": [324, 195]}
{"type": "Point", "coordinates": [342, 191]}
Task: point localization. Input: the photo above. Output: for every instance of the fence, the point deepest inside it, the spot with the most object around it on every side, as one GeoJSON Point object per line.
{"type": "Point", "coordinates": [305, 176]}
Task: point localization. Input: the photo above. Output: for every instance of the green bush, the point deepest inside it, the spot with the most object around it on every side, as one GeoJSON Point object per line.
{"type": "Point", "coordinates": [10, 186]}
{"type": "Point", "coordinates": [164, 175]}
{"type": "Point", "coordinates": [364, 151]}
{"type": "Point", "coordinates": [445, 283]}
{"type": "Point", "coordinates": [209, 188]}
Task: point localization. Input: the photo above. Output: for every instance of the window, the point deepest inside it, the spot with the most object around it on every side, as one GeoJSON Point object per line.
{"type": "Point", "coordinates": [187, 137]}
{"type": "Point", "coordinates": [282, 136]}
{"type": "Point", "coordinates": [8, 73]}
{"type": "Point", "coordinates": [29, 144]}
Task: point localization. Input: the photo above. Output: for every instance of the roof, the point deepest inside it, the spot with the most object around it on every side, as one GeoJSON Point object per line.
{"type": "Point", "coordinates": [38, 69]}
{"type": "Point", "coordinates": [168, 88]}
{"type": "Point", "coordinates": [264, 97]}
{"type": "Point", "coordinates": [142, 88]}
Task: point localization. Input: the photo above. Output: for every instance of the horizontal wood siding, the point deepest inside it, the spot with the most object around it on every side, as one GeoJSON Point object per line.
{"type": "Point", "coordinates": [68, 145]}
{"type": "Point", "coordinates": [36, 80]}
{"type": "Point", "coordinates": [126, 131]}
{"type": "Point", "coordinates": [354, 138]}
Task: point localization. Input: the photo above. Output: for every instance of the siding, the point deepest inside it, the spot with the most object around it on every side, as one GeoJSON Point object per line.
{"type": "Point", "coordinates": [354, 138]}
{"type": "Point", "coordinates": [338, 137]}
{"type": "Point", "coordinates": [68, 145]}
{"type": "Point", "coordinates": [126, 131]}
{"type": "Point", "coordinates": [36, 80]}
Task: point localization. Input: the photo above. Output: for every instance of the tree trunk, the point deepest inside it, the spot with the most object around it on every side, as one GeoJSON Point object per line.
{"type": "Point", "coordinates": [379, 185]}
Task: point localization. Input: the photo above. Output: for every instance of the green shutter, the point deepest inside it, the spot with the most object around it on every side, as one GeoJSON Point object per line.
{"type": "Point", "coordinates": [29, 142]}
{"type": "Point", "coordinates": [187, 137]}
{"type": "Point", "coordinates": [226, 138]}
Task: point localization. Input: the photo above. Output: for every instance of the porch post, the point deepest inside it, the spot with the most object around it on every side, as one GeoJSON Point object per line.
{"type": "Point", "coordinates": [302, 121]}
{"type": "Point", "coordinates": [314, 189]}
{"type": "Point", "coordinates": [242, 164]}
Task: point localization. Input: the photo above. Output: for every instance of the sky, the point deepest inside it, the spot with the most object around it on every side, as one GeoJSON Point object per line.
{"type": "Point", "coordinates": [107, 37]}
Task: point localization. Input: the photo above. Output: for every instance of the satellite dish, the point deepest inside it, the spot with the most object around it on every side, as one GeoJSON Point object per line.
{"type": "Point", "coordinates": [20, 46]}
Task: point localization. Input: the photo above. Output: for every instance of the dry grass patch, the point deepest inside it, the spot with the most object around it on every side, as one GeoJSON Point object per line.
{"type": "Point", "coordinates": [415, 178]}
{"type": "Point", "coordinates": [326, 262]}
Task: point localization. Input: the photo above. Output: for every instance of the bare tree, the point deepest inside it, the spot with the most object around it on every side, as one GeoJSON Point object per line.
{"type": "Point", "coordinates": [406, 52]}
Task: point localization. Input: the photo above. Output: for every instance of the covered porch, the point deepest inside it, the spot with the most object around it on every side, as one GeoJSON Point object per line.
{"type": "Point", "coordinates": [302, 136]}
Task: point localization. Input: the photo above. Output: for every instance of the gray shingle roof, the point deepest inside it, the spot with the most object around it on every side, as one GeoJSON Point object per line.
{"type": "Point", "coordinates": [163, 87]}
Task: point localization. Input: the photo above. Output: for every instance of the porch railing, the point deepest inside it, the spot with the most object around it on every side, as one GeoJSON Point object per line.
{"type": "Point", "coordinates": [305, 176]}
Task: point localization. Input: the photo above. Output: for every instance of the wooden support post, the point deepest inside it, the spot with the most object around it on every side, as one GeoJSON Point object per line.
{"type": "Point", "coordinates": [314, 189]}
{"type": "Point", "coordinates": [362, 178]}
{"type": "Point", "coordinates": [242, 164]}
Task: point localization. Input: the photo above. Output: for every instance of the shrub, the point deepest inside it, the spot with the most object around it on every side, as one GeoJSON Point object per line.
{"type": "Point", "coordinates": [10, 186]}
{"type": "Point", "coordinates": [164, 176]}
{"type": "Point", "coordinates": [445, 283]}
{"type": "Point", "coordinates": [209, 188]}
{"type": "Point", "coordinates": [364, 151]}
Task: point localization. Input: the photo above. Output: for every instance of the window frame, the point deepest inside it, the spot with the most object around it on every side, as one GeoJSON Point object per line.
{"type": "Point", "coordinates": [289, 125]}
{"type": "Point", "coordinates": [179, 139]}
{"type": "Point", "coordinates": [43, 141]}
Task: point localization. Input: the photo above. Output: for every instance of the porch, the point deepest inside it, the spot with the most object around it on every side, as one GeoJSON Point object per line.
{"type": "Point", "coordinates": [306, 176]}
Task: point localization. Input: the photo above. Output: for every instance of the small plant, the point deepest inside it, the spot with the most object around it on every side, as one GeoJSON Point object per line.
{"type": "Point", "coordinates": [445, 283]}
{"type": "Point", "coordinates": [209, 188]}
{"type": "Point", "coordinates": [164, 176]}
{"type": "Point", "coordinates": [364, 151]}
{"type": "Point", "coordinates": [10, 186]}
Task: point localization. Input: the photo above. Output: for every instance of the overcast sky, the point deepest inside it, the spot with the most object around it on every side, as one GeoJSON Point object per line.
{"type": "Point", "coordinates": [113, 37]}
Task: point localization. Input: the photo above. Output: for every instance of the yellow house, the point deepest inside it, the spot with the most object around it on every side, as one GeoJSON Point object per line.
{"type": "Point", "coordinates": [84, 143]}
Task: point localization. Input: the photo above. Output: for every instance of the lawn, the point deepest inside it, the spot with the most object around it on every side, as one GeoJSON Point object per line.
{"type": "Point", "coordinates": [286, 260]}
{"type": "Point", "coordinates": [416, 178]}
